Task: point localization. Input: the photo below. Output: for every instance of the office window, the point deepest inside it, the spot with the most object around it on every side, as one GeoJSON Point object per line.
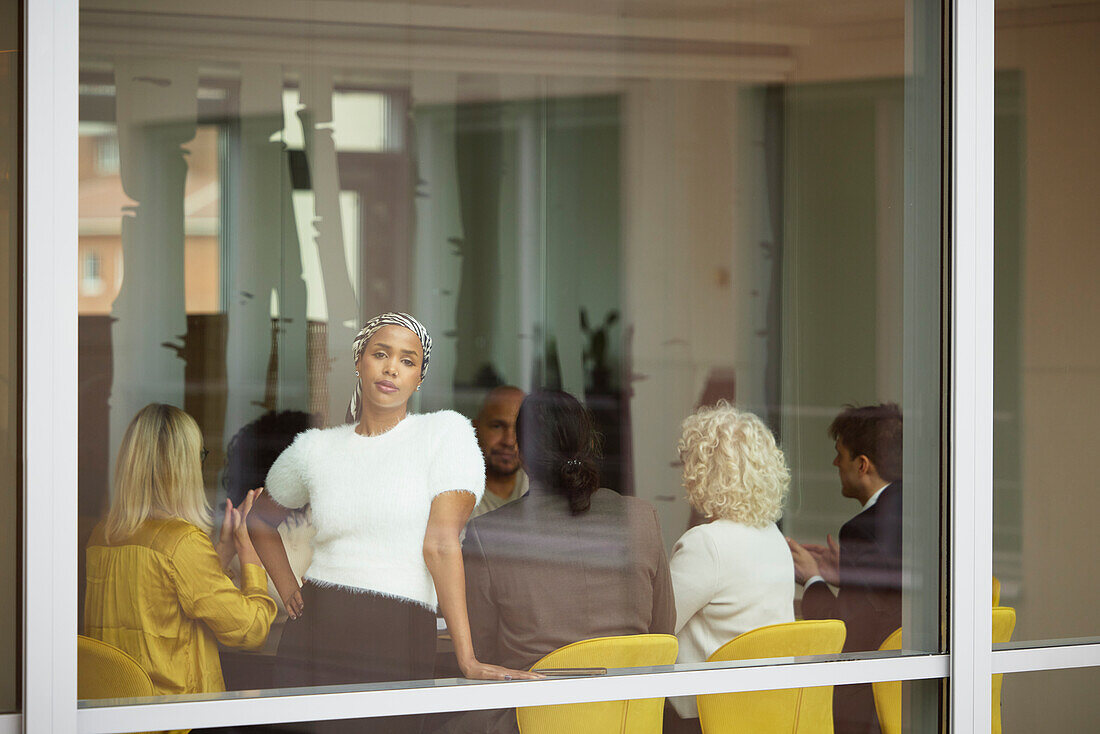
{"type": "Point", "coordinates": [11, 71]}
{"type": "Point", "coordinates": [652, 211]}
{"type": "Point", "coordinates": [1046, 371]}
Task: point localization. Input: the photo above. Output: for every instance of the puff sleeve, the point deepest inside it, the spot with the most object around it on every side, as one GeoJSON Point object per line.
{"type": "Point", "coordinates": [456, 461]}
{"type": "Point", "coordinates": [286, 480]}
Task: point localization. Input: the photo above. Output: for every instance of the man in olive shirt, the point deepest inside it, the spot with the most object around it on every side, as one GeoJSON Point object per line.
{"type": "Point", "coordinates": [505, 481]}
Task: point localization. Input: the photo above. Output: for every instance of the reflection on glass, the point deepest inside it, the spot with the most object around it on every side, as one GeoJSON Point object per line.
{"type": "Point", "coordinates": [1050, 700]}
{"type": "Point", "coordinates": [1047, 367]}
{"type": "Point", "coordinates": [650, 212]}
{"type": "Point", "coordinates": [11, 478]}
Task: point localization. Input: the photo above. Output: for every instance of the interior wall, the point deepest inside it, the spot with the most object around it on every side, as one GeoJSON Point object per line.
{"type": "Point", "coordinates": [692, 281]}
{"type": "Point", "coordinates": [841, 279]}
{"type": "Point", "coordinates": [1060, 361]}
{"type": "Point", "coordinates": [1047, 382]}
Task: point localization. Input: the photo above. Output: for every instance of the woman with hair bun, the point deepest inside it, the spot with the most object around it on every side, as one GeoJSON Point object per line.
{"type": "Point", "coordinates": [735, 572]}
{"type": "Point", "coordinates": [568, 561]}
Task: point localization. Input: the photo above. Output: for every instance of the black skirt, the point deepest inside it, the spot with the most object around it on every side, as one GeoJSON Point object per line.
{"type": "Point", "coordinates": [352, 637]}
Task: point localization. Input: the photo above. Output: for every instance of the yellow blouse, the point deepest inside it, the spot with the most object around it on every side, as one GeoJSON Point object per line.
{"type": "Point", "coordinates": [163, 597]}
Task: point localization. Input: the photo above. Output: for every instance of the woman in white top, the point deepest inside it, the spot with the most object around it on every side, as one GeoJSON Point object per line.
{"type": "Point", "coordinates": [390, 494]}
{"type": "Point", "coordinates": [735, 572]}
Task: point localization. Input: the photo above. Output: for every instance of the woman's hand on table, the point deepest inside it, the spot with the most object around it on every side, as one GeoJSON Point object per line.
{"type": "Point", "coordinates": [293, 603]}
{"type": "Point", "coordinates": [484, 671]}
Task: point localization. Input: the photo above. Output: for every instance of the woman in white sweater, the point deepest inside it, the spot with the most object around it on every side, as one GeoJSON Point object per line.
{"type": "Point", "coordinates": [390, 494]}
{"type": "Point", "coordinates": [735, 572]}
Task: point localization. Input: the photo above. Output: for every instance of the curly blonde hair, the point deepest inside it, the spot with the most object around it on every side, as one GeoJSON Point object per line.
{"type": "Point", "coordinates": [733, 468]}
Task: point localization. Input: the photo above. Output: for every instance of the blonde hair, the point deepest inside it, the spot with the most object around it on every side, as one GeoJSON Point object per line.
{"type": "Point", "coordinates": [733, 468]}
{"type": "Point", "coordinates": [158, 473]}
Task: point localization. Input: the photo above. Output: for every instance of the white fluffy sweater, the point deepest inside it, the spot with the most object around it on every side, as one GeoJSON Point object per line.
{"type": "Point", "coordinates": [371, 497]}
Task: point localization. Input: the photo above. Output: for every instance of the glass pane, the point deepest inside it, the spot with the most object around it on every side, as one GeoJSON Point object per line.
{"type": "Point", "coordinates": [650, 209]}
{"type": "Point", "coordinates": [1049, 700]}
{"type": "Point", "coordinates": [11, 75]}
{"type": "Point", "coordinates": [1047, 371]}
{"type": "Point", "coordinates": [901, 703]}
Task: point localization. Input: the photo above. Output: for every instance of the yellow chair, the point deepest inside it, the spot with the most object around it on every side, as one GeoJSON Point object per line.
{"type": "Point", "coordinates": [996, 591]}
{"type": "Point", "coordinates": [104, 671]}
{"type": "Point", "coordinates": [1004, 622]}
{"type": "Point", "coordinates": [796, 710]}
{"type": "Point", "coordinates": [888, 693]}
{"type": "Point", "coordinates": [643, 716]}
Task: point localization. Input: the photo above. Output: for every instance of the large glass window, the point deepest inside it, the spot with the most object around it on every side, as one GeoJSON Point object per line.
{"type": "Point", "coordinates": [1047, 372]}
{"type": "Point", "coordinates": [649, 209]}
{"type": "Point", "coordinates": [1050, 700]}
{"type": "Point", "coordinates": [11, 74]}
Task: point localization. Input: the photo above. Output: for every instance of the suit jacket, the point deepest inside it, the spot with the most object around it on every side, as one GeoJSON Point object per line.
{"type": "Point", "coordinates": [538, 578]}
{"type": "Point", "coordinates": [868, 600]}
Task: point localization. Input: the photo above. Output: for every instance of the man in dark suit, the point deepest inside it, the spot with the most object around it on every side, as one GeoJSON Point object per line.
{"type": "Point", "coordinates": [866, 565]}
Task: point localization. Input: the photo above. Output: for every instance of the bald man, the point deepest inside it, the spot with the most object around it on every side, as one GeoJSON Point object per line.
{"type": "Point", "coordinates": [505, 481]}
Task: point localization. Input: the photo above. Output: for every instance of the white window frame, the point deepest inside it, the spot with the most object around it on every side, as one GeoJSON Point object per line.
{"type": "Point", "coordinates": [50, 365]}
{"type": "Point", "coordinates": [50, 440]}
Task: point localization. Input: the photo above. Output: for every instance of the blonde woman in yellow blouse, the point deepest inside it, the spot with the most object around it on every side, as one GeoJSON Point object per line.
{"type": "Point", "coordinates": [157, 587]}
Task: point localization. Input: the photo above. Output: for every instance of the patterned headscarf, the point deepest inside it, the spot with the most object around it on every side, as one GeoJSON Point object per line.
{"type": "Point", "coordinates": [360, 343]}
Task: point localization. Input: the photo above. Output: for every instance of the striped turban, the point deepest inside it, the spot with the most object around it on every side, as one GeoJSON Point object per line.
{"type": "Point", "coordinates": [370, 329]}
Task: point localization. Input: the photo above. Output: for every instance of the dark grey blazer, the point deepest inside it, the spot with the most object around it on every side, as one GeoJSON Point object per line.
{"type": "Point", "coordinates": [538, 578]}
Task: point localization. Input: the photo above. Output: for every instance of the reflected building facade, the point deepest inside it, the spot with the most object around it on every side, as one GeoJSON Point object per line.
{"type": "Point", "coordinates": [650, 206]}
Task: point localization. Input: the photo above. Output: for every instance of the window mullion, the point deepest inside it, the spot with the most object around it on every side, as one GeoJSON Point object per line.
{"type": "Point", "coordinates": [971, 431]}
{"type": "Point", "coordinates": [51, 367]}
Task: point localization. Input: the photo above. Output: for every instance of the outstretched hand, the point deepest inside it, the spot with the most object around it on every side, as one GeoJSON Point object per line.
{"type": "Point", "coordinates": [241, 538]}
{"type": "Point", "coordinates": [225, 546]}
{"type": "Point", "coordinates": [240, 515]}
{"type": "Point", "coordinates": [828, 560]}
{"type": "Point", "coordinates": [805, 565]}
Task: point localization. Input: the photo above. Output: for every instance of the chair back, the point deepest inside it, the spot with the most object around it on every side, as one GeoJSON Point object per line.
{"type": "Point", "coordinates": [1004, 622]}
{"type": "Point", "coordinates": [642, 716]}
{"type": "Point", "coordinates": [996, 591]}
{"type": "Point", "coordinates": [888, 693]}
{"type": "Point", "coordinates": [104, 671]}
{"type": "Point", "coordinates": [795, 710]}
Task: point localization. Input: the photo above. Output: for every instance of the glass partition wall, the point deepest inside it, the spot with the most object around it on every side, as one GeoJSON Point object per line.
{"type": "Point", "coordinates": [1045, 375]}
{"type": "Point", "coordinates": [11, 66]}
{"type": "Point", "coordinates": [652, 209]}
{"type": "Point", "coordinates": [649, 208]}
